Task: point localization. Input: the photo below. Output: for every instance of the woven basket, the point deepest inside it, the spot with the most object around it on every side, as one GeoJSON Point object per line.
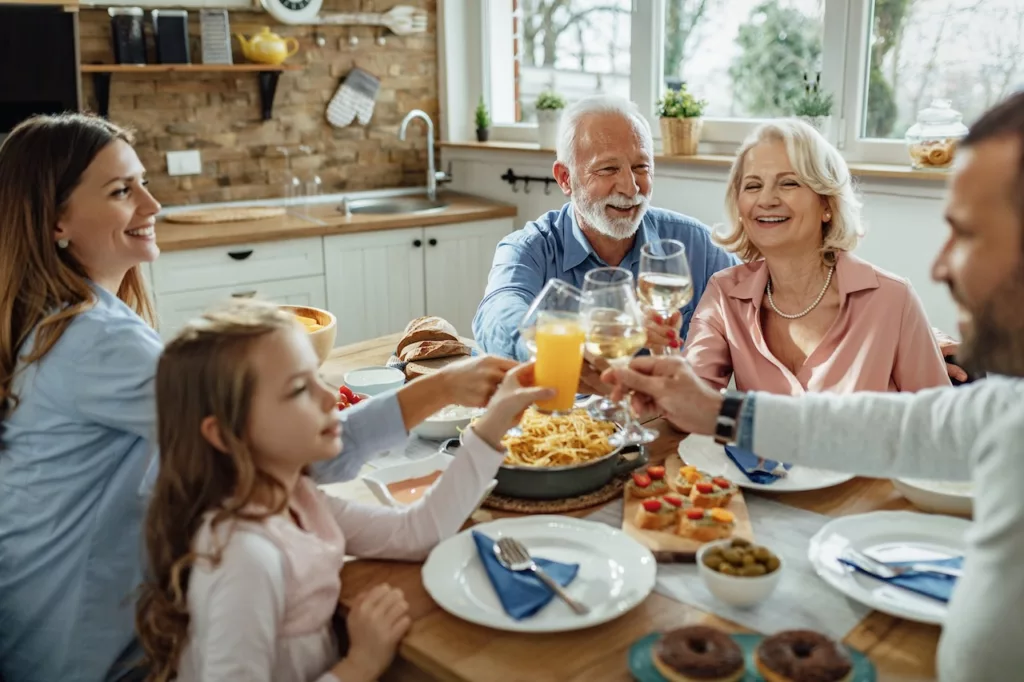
{"type": "Point", "coordinates": [680, 136]}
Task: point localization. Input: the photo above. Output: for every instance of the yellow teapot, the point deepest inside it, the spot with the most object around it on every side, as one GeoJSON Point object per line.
{"type": "Point", "coordinates": [267, 48]}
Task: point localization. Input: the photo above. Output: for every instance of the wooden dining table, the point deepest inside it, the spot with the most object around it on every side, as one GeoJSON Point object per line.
{"type": "Point", "coordinates": [440, 646]}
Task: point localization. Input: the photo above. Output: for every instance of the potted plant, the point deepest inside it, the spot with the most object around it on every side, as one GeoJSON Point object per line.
{"type": "Point", "coordinates": [483, 121]}
{"type": "Point", "coordinates": [680, 113]}
{"type": "Point", "coordinates": [814, 105]}
{"type": "Point", "coordinates": [549, 112]}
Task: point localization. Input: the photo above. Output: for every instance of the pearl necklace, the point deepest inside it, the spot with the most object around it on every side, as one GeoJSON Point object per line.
{"type": "Point", "coordinates": [809, 308]}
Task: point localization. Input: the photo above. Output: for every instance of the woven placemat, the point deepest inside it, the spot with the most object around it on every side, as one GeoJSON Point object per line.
{"type": "Point", "coordinates": [607, 493]}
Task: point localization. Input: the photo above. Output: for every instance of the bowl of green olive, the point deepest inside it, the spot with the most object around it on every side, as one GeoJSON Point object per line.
{"type": "Point", "coordinates": [739, 572]}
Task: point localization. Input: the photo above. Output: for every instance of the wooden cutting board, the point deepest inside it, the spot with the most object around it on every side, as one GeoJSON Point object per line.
{"type": "Point", "coordinates": [666, 541]}
{"type": "Point", "coordinates": [225, 215]}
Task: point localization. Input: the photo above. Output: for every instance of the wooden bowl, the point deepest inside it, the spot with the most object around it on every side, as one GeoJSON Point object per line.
{"type": "Point", "coordinates": [323, 338]}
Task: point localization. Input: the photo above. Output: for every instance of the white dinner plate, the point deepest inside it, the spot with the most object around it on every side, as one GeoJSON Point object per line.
{"type": "Point", "coordinates": [888, 536]}
{"type": "Point", "coordinates": [704, 453]}
{"type": "Point", "coordinates": [616, 573]}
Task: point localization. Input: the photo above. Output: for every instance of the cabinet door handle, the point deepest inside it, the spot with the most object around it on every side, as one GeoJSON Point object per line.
{"type": "Point", "coordinates": [240, 255]}
{"type": "Point", "coordinates": [244, 294]}
{"type": "Point", "coordinates": [418, 243]}
{"type": "Point", "coordinates": [433, 242]}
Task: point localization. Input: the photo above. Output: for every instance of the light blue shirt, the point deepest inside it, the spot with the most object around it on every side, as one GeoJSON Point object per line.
{"type": "Point", "coordinates": [72, 498]}
{"type": "Point", "coordinates": [554, 247]}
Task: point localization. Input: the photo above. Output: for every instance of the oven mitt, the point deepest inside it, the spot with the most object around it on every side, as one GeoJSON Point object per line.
{"type": "Point", "coordinates": [354, 99]}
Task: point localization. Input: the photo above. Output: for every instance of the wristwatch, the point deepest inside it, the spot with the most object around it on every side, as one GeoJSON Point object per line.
{"type": "Point", "coordinates": [728, 422]}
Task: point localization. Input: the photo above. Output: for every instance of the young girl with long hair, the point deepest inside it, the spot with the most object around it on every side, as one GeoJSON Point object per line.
{"type": "Point", "coordinates": [245, 551]}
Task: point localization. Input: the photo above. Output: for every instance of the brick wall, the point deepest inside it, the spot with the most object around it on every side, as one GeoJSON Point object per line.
{"type": "Point", "coordinates": [219, 113]}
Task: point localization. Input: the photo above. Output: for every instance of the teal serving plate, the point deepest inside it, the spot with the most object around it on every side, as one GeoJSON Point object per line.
{"type": "Point", "coordinates": [642, 666]}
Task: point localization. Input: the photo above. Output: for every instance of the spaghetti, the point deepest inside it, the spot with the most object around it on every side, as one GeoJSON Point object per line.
{"type": "Point", "coordinates": [549, 441]}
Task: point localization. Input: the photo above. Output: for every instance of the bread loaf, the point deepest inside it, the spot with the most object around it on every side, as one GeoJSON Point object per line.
{"type": "Point", "coordinates": [427, 350]}
{"type": "Point", "coordinates": [426, 329]}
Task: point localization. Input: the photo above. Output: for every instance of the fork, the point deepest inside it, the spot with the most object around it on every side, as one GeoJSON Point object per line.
{"type": "Point", "coordinates": [514, 556]}
{"type": "Point", "coordinates": [886, 571]}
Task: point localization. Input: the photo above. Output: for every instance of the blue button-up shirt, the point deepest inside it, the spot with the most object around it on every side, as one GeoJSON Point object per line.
{"type": "Point", "coordinates": [72, 497]}
{"type": "Point", "coordinates": [554, 247]}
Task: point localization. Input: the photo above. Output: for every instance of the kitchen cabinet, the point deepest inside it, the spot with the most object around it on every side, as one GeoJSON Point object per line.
{"type": "Point", "coordinates": [457, 261]}
{"type": "Point", "coordinates": [374, 282]}
{"type": "Point", "coordinates": [175, 309]}
{"type": "Point", "coordinates": [378, 281]}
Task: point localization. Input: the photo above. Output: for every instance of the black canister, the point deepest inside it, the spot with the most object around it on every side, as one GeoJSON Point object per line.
{"type": "Point", "coordinates": [170, 34]}
{"type": "Point", "coordinates": [127, 31]}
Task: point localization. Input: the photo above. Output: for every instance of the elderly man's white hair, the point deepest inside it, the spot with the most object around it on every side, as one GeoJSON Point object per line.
{"type": "Point", "coordinates": [597, 104]}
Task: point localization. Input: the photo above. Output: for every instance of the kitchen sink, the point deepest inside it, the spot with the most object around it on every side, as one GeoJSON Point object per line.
{"type": "Point", "coordinates": [389, 205]}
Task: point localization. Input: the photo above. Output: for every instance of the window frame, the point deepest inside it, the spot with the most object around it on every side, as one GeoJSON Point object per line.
{"type": "Point", "coordinates": [845, 53]}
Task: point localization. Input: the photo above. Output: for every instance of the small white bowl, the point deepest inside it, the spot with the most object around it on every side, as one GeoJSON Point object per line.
{"type": "Point", "coordinates": [447, 423]}
{"type": "Point", "coordinates": [375, 380]}
{"type": "Point", "coordinates": [938, 497]}
{"type": "Point", "coordinates": [735, 590]}
{"type": "Point", "coordinates": [377, 481]}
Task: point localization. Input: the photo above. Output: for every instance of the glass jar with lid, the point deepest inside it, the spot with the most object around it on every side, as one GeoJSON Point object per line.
{"type": "Point", "coordinates": [933, 139]}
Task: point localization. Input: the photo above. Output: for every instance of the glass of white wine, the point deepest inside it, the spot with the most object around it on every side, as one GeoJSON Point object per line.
{"type": "Point", "coordinates": [665, 284]}
{"type": "Point", "coordinates": [615, 332]}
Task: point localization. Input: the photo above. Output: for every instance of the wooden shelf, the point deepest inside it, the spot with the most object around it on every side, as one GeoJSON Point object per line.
{"type": "Point", "coordinates": [185, 68]}
{"type": "Point", "coordinates": [268, 76]}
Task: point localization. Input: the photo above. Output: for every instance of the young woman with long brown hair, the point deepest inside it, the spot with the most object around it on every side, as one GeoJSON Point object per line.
{"type": "Point", "coordinates": [245, 550]}
{"type": "Point", "coordinates": [78, 357]}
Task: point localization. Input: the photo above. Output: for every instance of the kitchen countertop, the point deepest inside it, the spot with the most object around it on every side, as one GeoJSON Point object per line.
{"type": "Point", "coordinates": [324, 219]}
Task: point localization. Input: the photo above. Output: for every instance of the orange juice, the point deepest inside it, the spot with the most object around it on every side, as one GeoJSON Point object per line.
{"type": "Point", "coordinates": [559, 359]}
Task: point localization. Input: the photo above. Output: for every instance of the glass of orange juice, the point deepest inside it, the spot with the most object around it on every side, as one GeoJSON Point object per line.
{"type": "Point", "coordinates": [554, 333]}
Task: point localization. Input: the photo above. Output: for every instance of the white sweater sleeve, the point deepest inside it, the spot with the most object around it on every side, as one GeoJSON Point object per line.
{"type": "Point", "coordinates": [236, 609]}
{"type": "Point", "coordinates": [928, 434]}
{"type": "Point", "coordinates": [409, 533]}
{"type": "Point", "coordinates": [983, 634]}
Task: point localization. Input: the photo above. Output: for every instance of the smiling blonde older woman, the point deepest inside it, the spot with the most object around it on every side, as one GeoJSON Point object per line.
{"type": "Point", "coordinates": [802, 313]}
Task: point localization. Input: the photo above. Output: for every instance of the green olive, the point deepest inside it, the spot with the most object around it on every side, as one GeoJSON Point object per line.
{"type": "Point", "coordinates": [740, 542]}
{"type": "Point", "coordinates": [732, 556]}
{"type": "Point", "coordinates": [727, 569]}
{"type": "Point", "coordinates": [748, 559]}
{"type": "Point", "coordinates": [772, 564]}
{"type": "Point", "coordinates": [753, 570]}
{"type": "Point", "coordinates": [713, 561]}
{"type": "Point", "coordinates": [762, 554]}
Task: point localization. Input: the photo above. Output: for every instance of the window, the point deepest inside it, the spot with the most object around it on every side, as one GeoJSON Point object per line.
{"type": "Point", "coordinates": [574, 47]}
{"type": "Point", "coordinates": [746, 58]}
{"type": "Point", "coordinates": [881, 60]}
{"type": "Point", "coordinates": [970, 52]}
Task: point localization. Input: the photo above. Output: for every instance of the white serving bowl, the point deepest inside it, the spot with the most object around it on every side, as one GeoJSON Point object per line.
{"type": "Point", "coordinates": [938, 497]}
{"type": "Point", "coordinates": [377, 481]}
{"type": "Point", "coordinates": [447, 423]}
{"type": "Point", "coordinates": [375, 380]}
{"type": "Point", "coordinates": [736, 590]}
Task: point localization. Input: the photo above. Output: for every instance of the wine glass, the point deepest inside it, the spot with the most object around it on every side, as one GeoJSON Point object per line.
{"type": "Point", "coordinates": [553, 332]}
{"type": "Point", "coordinates": [664, 284]}
{"type": "Point", "coordinates": [615, 332]}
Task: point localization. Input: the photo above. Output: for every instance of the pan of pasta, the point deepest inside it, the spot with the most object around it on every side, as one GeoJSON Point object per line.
{"type": "Point", "coordinates": [555, 457]}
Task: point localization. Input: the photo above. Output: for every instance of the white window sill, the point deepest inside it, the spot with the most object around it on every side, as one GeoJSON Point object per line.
{"type": "Point", "coordinates": [868, 170]}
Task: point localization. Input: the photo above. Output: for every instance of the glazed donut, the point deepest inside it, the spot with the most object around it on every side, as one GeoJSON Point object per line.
{"type": "Point", "coordinates": [698, 653]}
{"type": "Point", "coordinates": [939, 155]}
{"type": "Point", "coordinates": [802, 656]}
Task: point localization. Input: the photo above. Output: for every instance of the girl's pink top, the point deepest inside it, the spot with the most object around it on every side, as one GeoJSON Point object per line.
{"type": "Point", "coordinates": [879, 341]}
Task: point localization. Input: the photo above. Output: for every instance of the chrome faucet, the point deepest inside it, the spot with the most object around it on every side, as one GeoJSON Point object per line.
{"type": "Point", "coordinates": [434, 176]}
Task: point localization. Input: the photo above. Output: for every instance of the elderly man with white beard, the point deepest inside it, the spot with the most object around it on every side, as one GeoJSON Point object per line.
{"type": "Point", "coordinates": [605, 166]}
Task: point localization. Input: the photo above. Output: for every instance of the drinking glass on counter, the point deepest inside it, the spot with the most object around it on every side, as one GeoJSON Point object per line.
{"type": "Point", "coordinates": [615, 332]}
{"type": "Point", "coordinates": [665, 284]}
{"type": "Point", "coordinates": [553, 331]}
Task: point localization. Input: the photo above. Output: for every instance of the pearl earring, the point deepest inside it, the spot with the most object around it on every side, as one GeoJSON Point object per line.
{"type": "Point", "coordinates": [63, 243]}
{"type": "Point", "coordinates": [828, 216]}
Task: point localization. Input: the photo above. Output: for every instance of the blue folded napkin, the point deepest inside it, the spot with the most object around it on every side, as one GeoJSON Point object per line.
{"type": "Point", "coordinates": [938, 587]}
{"type": "Point", "coordinates": [521, 594]}
{"type": "Point", "coordinates": [747, 463]}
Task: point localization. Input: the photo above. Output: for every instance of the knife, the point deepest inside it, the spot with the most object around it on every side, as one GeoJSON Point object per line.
{"type": "Point", "coordinates": [878, 569]}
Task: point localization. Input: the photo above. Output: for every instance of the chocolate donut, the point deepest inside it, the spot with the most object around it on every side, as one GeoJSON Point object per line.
{"type": "Point", "coordinates": [698, 653]}
{"type": "Point", "coordinates": [802, 656]}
